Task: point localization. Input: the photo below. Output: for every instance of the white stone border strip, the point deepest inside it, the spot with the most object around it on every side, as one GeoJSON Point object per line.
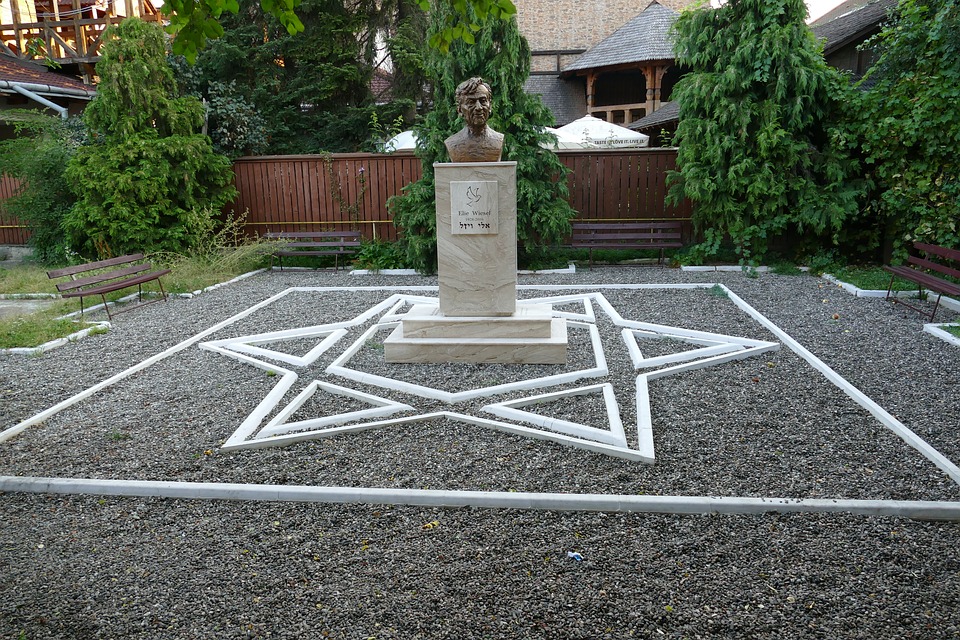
{"type": "Point", "coordinates": [59, 342]}
{"type": "Point", "coordinates": [613, 436]}
{"type": "Point", "coordinates": [338, 368]}
{"type": "Point", "coordinates": [279, 425]}
{"type": "Point", "coordinates": [935, 330]}
{"type": "Point", "coordinates": [878, 412]}
{"type": "Point", "coordinates": [675, 505]}
{"type": "Point", "coordinates": [868, 293]}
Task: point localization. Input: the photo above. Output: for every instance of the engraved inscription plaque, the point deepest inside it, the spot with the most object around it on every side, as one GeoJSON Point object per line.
{"type": "Point", "coordinates": [474, 208]}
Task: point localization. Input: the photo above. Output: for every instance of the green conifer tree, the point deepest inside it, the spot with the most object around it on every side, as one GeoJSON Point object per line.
{"type": "Point", "coordinates": [758, 146]}
{"type": "Point", "coordinates": [148, 181]}
{"type": "Point", "coordinates": [501, 56]}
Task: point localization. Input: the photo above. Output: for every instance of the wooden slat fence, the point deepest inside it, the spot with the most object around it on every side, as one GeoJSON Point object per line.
{"type": "Point", "coordinates": [12, 231]}
{"type": "Point", "coordinates": [294, 193]}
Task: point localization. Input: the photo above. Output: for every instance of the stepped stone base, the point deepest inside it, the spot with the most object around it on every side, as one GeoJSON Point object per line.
{"type": "Point", "coordinates": [529, 336]}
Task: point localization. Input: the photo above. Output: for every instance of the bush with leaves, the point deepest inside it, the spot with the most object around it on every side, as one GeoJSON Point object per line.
{"type": "Point", "coordinates": [760, 151]}
{"type": "Point", "coordinates": [501, 56]}
{"type": "Point", "coordinates": [909, 126]}
{"type": "Point", "coordinates": [37, 157]}
{"type": "Point", "coordinates": [148, 181]}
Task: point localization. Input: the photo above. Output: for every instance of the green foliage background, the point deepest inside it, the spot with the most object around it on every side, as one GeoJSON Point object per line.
{"type": "Point", "coordinates": [760, 153]}
{"type": "Point", "coordinates": [909, 126]}
{"type": "Point", "coordinates": [38, 157]}
{"type": "Point", "coordinates": [147, 181]}
{"type": "Point", "coordinates": [501, 56]}
{"type": "Point", "coordinates": [303, 93]}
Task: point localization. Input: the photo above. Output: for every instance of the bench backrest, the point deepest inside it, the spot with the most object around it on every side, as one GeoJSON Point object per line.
{"type": "Point", "coordinates": [312, 235]}
{"type": "Point", "coordinates": [930, 261]}
{"type": "Point", "coordinates": [93, 266]}
{"type": "Point", "coordinates": [585, 231]}
{"type": "Point", "coordinates": [113, 274]}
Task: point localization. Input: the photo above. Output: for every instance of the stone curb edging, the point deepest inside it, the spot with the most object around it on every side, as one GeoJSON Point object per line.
{"type": "Point", "coordinates": [916, 509]}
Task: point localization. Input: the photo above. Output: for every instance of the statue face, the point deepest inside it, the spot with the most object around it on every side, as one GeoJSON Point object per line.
{"type": "Point", "coordinates": [475, 107]}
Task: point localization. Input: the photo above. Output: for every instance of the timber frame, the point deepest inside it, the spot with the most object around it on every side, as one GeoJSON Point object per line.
{"type": "Point", "coordinates": [68, 32]}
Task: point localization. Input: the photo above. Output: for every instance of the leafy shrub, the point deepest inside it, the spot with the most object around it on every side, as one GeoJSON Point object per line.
{"type": "Point", "coordinates": [37, 157]}
{"type": "Point", "coordinates": [148, 182]}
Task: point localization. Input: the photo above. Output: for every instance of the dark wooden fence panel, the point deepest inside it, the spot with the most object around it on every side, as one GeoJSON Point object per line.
{"type": "Point", "coordinates": [298, 193]}
{"type": "Point", "coordinates": [12, 231]}
{"type": "Point", "coordinates": [303, 193]}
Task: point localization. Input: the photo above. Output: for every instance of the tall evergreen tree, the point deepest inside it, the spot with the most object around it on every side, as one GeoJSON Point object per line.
{"type": "Point", "coordinates": [310, 90]}
{"type": "Point", "coordinates": [501, 56]}
{"type": "Point", "coordinates": [149, 181]}
{"type": "Point", "coordinates": [758, 143]}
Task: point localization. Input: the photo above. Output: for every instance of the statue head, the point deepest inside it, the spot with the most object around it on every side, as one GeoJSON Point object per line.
{"type": "Point", "coordinates": [474, 102]}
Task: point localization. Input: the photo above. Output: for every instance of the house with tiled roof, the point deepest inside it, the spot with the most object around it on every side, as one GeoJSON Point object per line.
{"type": "Point", "coordinates": [68, 32]}
{"type": "Point", "coordinates": [846, 28]}
{"type": "Point", "coordinates": [842, 31]}
{"type": "Point", "coordinates": [624, 71]}
{"type": "Point", "coordinates": [28, 85]}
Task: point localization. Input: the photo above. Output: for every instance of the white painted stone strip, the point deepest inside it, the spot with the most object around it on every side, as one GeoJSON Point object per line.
{"type": "Point", "coordinates": [337, 367]}
{"type": "Point", "coordinates": [383, 272]}
{"type": "Point", "coordinates": [332, 337]}
{"type": "Point", "coordinates": [915, 509]}
{"type": "Point", "coordinates": [59, 342]}
{"type": "Point", "coordinates": [644, 419]}
{"type": "Point", "coordinates": [279, 424]}
{"type": "Point", "coordinates": [946, 336]}
{"type": "Point", "coordinates": [293, 438]}
{"type": "Point", "coordinates": [855, 394]}
{"type": "Point", "coordinates": [613, 435]}
{"type": "Point", "coordinates": [537, 434]}
{"type": "Point", "coordinates": [715, 360]}
{"type": "Point", "coordinates": [69, 402]}
{"type": "Point", "coordinates": [587, 315]}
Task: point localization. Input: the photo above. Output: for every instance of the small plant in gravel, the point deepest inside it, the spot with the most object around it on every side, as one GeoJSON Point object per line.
{"type": "Point", "coordinates": [718, 291]}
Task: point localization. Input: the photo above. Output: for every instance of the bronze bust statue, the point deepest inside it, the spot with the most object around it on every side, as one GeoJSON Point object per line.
{"type": "Point", "coordinates": [476, 142]}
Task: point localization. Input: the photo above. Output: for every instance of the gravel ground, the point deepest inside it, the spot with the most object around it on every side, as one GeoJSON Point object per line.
{"type": "Point", "coordinates": [770, 426]}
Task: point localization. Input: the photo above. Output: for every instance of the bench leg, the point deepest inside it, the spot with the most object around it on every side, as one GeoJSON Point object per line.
{"type": "Point", "coordinates": [936, 305]}
{"type": "Point", "coordinates": [890, 286]}
{"type": "Point", "coordinates": [106, 307]}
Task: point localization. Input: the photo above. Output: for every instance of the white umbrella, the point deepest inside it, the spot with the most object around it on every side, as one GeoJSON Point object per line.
{"type": "Point", "coordinates": [566, 141]}
{"type": "Point", "coordinates": [604, 134]}
{"type": "Point", "coordinates": [403, 141]}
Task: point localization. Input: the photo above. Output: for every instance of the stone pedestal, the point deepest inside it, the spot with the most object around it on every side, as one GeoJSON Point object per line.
{"type": "Point", "coordinates": [477, 238]}
{"type": "Point", "coordinates": [478, 318]}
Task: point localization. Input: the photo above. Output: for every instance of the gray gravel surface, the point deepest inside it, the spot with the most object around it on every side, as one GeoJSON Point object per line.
{"type": "Point", "coordinates": [104, 567]}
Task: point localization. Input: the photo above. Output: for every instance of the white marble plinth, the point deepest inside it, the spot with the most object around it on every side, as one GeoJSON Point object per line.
{"type": "Point", "coordinates": [529, 336]}
{"type": "Point", "coordinates": [529, 321]}
{"type": "Point", "coordinates": [477, 256]}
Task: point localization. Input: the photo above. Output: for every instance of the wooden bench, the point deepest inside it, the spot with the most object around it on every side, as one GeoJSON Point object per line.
{"type": "Point", "coordinates": [310, 244]}
{"type": "Point", "coordinates": [626, 235]}
{"type": "Point", "coordinates": [939, 259]}
{"type": "Point", "coordinates": [103, 278]}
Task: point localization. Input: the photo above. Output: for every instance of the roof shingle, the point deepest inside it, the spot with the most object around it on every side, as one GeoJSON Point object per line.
{"type": "Point", "coordinates": [644, 38]}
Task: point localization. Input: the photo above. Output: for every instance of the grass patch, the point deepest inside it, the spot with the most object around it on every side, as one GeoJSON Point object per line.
{"type": "Point", "coordinates": [39, 327]}
{"type": "Point", "coordinates": [25, 278]}
{"type": "Point", "coordinates": [871, 278]}
{"type": "Point", "coordinates": [206, 266]}
{"type": "Point", "coordinates": [953, 329]}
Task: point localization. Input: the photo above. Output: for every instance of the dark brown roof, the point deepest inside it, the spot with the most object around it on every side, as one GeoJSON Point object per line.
{"type": "Point", "coordinates": [851, 21]}
{"type": "Point", "coordinates": [669, 112]}
{"type": "Point", "coordinates": [566, 98]}
{"type": "Point", "coordinates": [21, 71]}
{"type": "Point", "coordinates": [644, 38]}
